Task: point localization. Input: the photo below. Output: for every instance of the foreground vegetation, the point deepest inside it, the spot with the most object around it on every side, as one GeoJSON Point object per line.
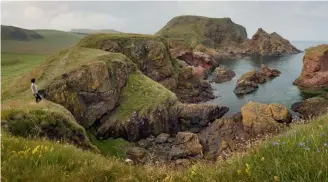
{"type": "Point", "coordinates": [301, 154]}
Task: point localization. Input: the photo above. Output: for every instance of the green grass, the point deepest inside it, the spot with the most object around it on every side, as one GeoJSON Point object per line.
{"type": "Point", "coordinates": [52, 42]}
{"type": "Point", "coordinates": [139, 94]}
{"type": "Point", "coordinates": [41, 160]}
{"type": "Point", "coordinates": [13, 64]}
{"type": "Point", "coordinates": [320, 49]}
{"type": "Point", "coordinates": [109, 147]}
{"type": "Point", "coordinates": [297, 155]}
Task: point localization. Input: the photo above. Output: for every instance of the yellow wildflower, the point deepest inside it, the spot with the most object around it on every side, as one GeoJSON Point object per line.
{"type": "Point", "coordinates": [35, 149]}
{"type": "Point", "coordinates": [168, 178]}
{"type": "Point", "coordinates": [238, 171]}
{"type": "Point", "coordinates": [262, 159]}
{"type": "Point", "coordinates": [276, 178]}
{"type": "Point", "coordinates": [247, 170]}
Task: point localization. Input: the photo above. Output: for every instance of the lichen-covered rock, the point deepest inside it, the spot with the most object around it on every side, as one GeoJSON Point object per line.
{"type": "Point", "coordinates": [258, 119]}
{"type": "Point", "coordinates": [200, 72]}
{"type": "Point", "coordinates": [221, 75]}
{"type": "Point", "coordinates": [186, 145]}
{"type": "Point", "coordinates": [280, 113]}
{"type": "Point", "coordinates": [312, 107]}
{"type": "Point", "coordinates": [270, 72]}
{"type": "Point", "coordinates": [245, 87]}
{"type": "Point", "coordinates": [315, 68]}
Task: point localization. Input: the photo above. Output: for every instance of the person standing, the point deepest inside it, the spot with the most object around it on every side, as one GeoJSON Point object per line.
{"type": "Point", "coordinates": [35, 91]}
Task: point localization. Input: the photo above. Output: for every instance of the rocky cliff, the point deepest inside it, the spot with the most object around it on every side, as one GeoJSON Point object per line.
{"type": "Point", "coordinates": [265, 44]}
{"type": "Point", "coordinates": [152, 57]}
{"type": "Point", "coordinates": [221, 38]}
{"type": "Point", "coordinates": [108, 92]}
{"type": "Point", "coordinates": [315, 68]}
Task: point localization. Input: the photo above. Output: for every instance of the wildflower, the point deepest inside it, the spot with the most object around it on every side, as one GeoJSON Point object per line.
{"type": "Point", "coordinates": [262, 159]}
{"type": "Point", "coordinates": [301, 144]}
{"type": "Point", "coordinates": [247, 170]}
{"type": "Point", "coordinates": [323, 134]}
{"type": "Point", "coordinates": [275, 143]}
{"type": "Point", "coordinates": [325, 144]}
{"type": "Point", "coordinates": [307, 148]}
{"type": "Point", "coordinates": [168, 178]}
{"type": "Point", "coordinates": [238, 171]}
{"type": "Point", "coordinates": [35, 149]}
{"type": "Point", "coordinates": [276, 178]}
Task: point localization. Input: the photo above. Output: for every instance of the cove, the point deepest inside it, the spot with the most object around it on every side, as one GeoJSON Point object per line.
{"type": "Point", "coordinates": [278, 90]}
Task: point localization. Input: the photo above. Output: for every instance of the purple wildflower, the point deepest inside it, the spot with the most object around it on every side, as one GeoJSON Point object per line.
{"type": "Point", "coordinates": [323, 134]}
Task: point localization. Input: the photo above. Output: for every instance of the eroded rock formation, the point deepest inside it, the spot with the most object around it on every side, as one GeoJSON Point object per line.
{"type": "Point", "coordinates": [315, 68]}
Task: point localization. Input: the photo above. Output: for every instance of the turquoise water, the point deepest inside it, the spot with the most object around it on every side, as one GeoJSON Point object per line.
{"type": "Point", "coordinates": [279, 90]}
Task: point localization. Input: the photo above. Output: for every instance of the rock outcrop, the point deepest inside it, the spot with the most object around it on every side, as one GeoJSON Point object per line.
{"type": "Point", "coordinates": [312, 107]}
{"type": "Point", "coordinates": [270, 72]}
{"type": "Point", "coordinates": [248, 82]}
{"type": "Point", "coordinates": [152, 57]}
{"type": "Point", "coordinates": [264, 44]}
{"type": "Point", "coordinates": [230, 134]}
{"type": "Point", "coordinates": [221, 75]}
{"type": "Point", "coordinates": [315, 68]}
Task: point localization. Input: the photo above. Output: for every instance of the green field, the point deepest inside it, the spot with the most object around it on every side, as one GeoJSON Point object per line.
{"type": "Point", "coordinates": [52, 42]}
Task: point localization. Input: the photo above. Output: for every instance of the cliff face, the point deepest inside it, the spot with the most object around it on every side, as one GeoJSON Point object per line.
{"type": "Point", "coordinates": [221, 38]}
{"type": "Point", "coordinates": [152, 57]}
{"type": "Point", "coordinates": [315, 68]}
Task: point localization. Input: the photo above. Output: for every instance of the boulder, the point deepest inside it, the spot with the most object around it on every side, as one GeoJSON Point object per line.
{"type": "Point", "coordinates": [311, 107]}
{"type": "Point", "coordinates": [194, 117]}
{"type": "Point", "coordinates": [253, 76]}
{"type": "Point", "coordinates": [248, 82]}
{"type": "Point", "coordinates": [221, 75]}
{"type": "Point", "coordinates": [280, 113]}
{"type": "Point", "coordinates": [270, 72]}
{"type": "Point", "coordinates": [223, 136]}
{"type": "Point", "coordinates": [137, 155]}
{"type": "Point", "coordinates": [245, 87]}
{"type": "Point", "coordinates": [162, 138]}
{"type": "Point", "coordinates": [186, 145]}
{"type": "Point", "coordinates": [315, 68]}
{"type": "Point", "coordinates": [258, 118]}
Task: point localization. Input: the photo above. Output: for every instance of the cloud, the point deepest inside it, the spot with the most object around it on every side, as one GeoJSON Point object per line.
{"type": "Point", "coordinates": [293, 20]}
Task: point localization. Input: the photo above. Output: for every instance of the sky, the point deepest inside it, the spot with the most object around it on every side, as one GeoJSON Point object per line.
{"type": "Point", "coordinates": [292, 20]}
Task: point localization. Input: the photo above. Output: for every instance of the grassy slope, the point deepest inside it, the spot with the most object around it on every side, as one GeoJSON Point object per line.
{"type": "Point", "coordinates": [52, 42]}
{"type": "Point", "coordinates": [16, 33]}
{"type": "Point", "coordinates": [301, 154]}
